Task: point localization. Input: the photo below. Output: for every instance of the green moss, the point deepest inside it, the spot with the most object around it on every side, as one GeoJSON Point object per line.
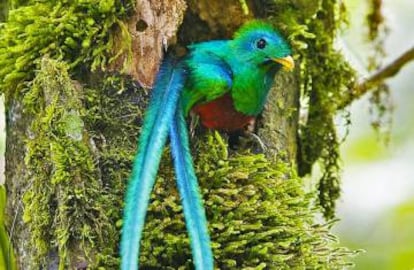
{"type": "Point", "coordinates": [325, 79]}
{"type": "Point", "coordinates": [381, 104]}
{"type": "Point", "coordinates": [259, 216]}
{"type": "Point", "coordinates": [375, 19]}
{"type": "Point", "coordinates": [82, 139]}
{"type": "Point", "coordinates": [318, 135]}
{"type": "Point", "coordinates": [66, 192]}
{"type": "Point", "coordinates": [63, 30]}
{"type": "Point", "coordinates": [66, 201]}
{"type": "Point", "coordinates": [3, 10]}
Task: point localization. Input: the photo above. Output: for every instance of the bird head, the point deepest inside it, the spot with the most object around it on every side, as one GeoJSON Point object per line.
{"type": "Point", "coordinates": [259, 43]}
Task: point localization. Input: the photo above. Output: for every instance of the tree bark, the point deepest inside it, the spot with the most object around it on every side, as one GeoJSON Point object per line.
{"type": "Point", "coordinates": [71, 136]}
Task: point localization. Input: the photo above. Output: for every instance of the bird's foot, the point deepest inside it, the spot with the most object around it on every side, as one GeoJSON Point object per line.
{"type": "Point", "coordinates": [258, 140]}
{"type": "Point", "coordinates": [249, 133]}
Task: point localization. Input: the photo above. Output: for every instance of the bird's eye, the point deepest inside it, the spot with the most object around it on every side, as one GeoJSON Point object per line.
{"type": "Point", "coordinates": [261, 43]}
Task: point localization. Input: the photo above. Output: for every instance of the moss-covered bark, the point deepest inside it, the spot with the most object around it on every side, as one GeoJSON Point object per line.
{"type": "Point", "coordinates": [74, 107]}
{"type": "Point", "coordinates": [3, 10]}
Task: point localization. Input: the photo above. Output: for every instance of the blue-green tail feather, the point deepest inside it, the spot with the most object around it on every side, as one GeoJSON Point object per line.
{"type": "Point", "coordinates": [194, 213]}
{"type": "Point", "coordinates": [153, 136]}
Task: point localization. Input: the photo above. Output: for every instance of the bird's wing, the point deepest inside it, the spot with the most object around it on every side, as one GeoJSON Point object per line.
{"type": "Point", "coordinates": [159, 114]}
{"type": "Point", "coordinates": [210, 77]}
{"type": "Point", "coordinates": [195, 217]}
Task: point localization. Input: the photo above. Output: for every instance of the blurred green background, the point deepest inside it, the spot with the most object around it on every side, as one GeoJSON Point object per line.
{"type": "Point", "coordinates": [377, 204]}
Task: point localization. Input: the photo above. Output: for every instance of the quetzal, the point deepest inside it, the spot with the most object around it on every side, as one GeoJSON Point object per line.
{"type": "Point", "coordinates": [226, 84]}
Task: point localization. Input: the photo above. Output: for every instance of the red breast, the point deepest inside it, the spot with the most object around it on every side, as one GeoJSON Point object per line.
{"type": "Point", "coordinates": [220, 114]}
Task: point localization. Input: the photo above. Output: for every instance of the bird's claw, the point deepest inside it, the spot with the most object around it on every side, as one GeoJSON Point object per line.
{"type": "Point", "coordinates": [259, 141]}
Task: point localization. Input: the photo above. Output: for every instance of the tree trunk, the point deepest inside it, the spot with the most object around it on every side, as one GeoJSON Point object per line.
{"type": "Point", "coordinates": [74, 110]}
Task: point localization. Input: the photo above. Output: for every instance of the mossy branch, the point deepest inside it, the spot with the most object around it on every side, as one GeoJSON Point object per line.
{"type": "Point", "coordinates": [77, 139]}
{"type": "Point", "coordinates": [378, 77]}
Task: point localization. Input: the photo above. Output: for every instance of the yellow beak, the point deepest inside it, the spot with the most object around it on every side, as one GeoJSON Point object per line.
{"type": "Point", "coordinates": [287, 62]}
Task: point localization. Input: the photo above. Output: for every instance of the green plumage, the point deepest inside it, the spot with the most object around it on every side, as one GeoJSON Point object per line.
{"type": "Point", "coordinates": [226, 83]}
{"type": "Point", "coordinates": [236, 66]}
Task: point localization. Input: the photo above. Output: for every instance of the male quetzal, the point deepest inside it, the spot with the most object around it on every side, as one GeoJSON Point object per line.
{"type": "Point", "coordinates": [226, 84]}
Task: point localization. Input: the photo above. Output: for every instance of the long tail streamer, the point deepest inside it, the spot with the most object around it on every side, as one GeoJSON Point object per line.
{"type": "Point", "coordinates": [187, 184]}
{"type": "Point", "coordinates": [157, 120]}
